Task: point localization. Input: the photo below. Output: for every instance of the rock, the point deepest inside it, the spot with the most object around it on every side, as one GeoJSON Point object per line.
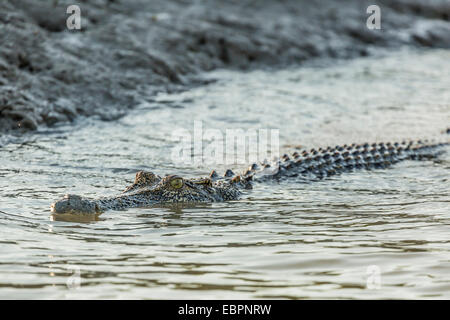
{"type": "Point", "coordinates": [127, 50]}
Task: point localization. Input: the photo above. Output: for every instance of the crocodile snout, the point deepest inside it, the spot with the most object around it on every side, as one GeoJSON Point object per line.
{"type": "Point", "coordinates": [74, 204]}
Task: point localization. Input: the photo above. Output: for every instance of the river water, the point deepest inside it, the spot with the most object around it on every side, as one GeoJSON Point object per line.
{"type": "Point", "coordinates": [367, 234]}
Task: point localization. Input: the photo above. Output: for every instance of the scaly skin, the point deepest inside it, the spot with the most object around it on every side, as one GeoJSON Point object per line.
{"type": "Point", "coordinates": [149, 189]}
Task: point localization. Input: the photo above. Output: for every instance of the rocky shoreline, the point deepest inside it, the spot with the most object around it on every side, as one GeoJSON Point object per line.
{"type": "Point", "coordinates": [127, 51]}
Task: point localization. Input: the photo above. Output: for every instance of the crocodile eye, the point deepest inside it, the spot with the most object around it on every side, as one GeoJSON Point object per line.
{"type": "Point", "coordinates": [176, 183]}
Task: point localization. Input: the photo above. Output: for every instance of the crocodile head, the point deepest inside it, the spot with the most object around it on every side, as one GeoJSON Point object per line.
{"type": "Point", "coordinates": [175, 189]}
{"type": "Point", "coordinates": [149, 189]}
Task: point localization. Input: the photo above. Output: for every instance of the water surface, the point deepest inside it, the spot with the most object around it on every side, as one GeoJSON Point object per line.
{"type": "Point", "coordinates": [281, 240]}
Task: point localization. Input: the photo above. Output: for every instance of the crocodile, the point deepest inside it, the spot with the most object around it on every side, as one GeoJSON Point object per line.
{"type": "Point", "coordinates": [306, 165]}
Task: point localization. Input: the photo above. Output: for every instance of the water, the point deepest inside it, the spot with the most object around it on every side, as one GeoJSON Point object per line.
{"type": "Point", "coordinates": [367, 234]}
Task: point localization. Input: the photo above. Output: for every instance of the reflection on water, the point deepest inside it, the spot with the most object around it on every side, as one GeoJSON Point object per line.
{"type": "Point", "coordinates": [281, 240]}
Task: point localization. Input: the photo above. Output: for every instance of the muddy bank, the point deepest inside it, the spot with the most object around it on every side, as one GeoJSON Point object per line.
{"type": "Point", "coordinates": [126, 51]}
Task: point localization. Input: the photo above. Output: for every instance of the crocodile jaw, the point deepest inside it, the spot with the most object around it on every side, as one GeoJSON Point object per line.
{"type": "Point", "coordinates": [73, 204]}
